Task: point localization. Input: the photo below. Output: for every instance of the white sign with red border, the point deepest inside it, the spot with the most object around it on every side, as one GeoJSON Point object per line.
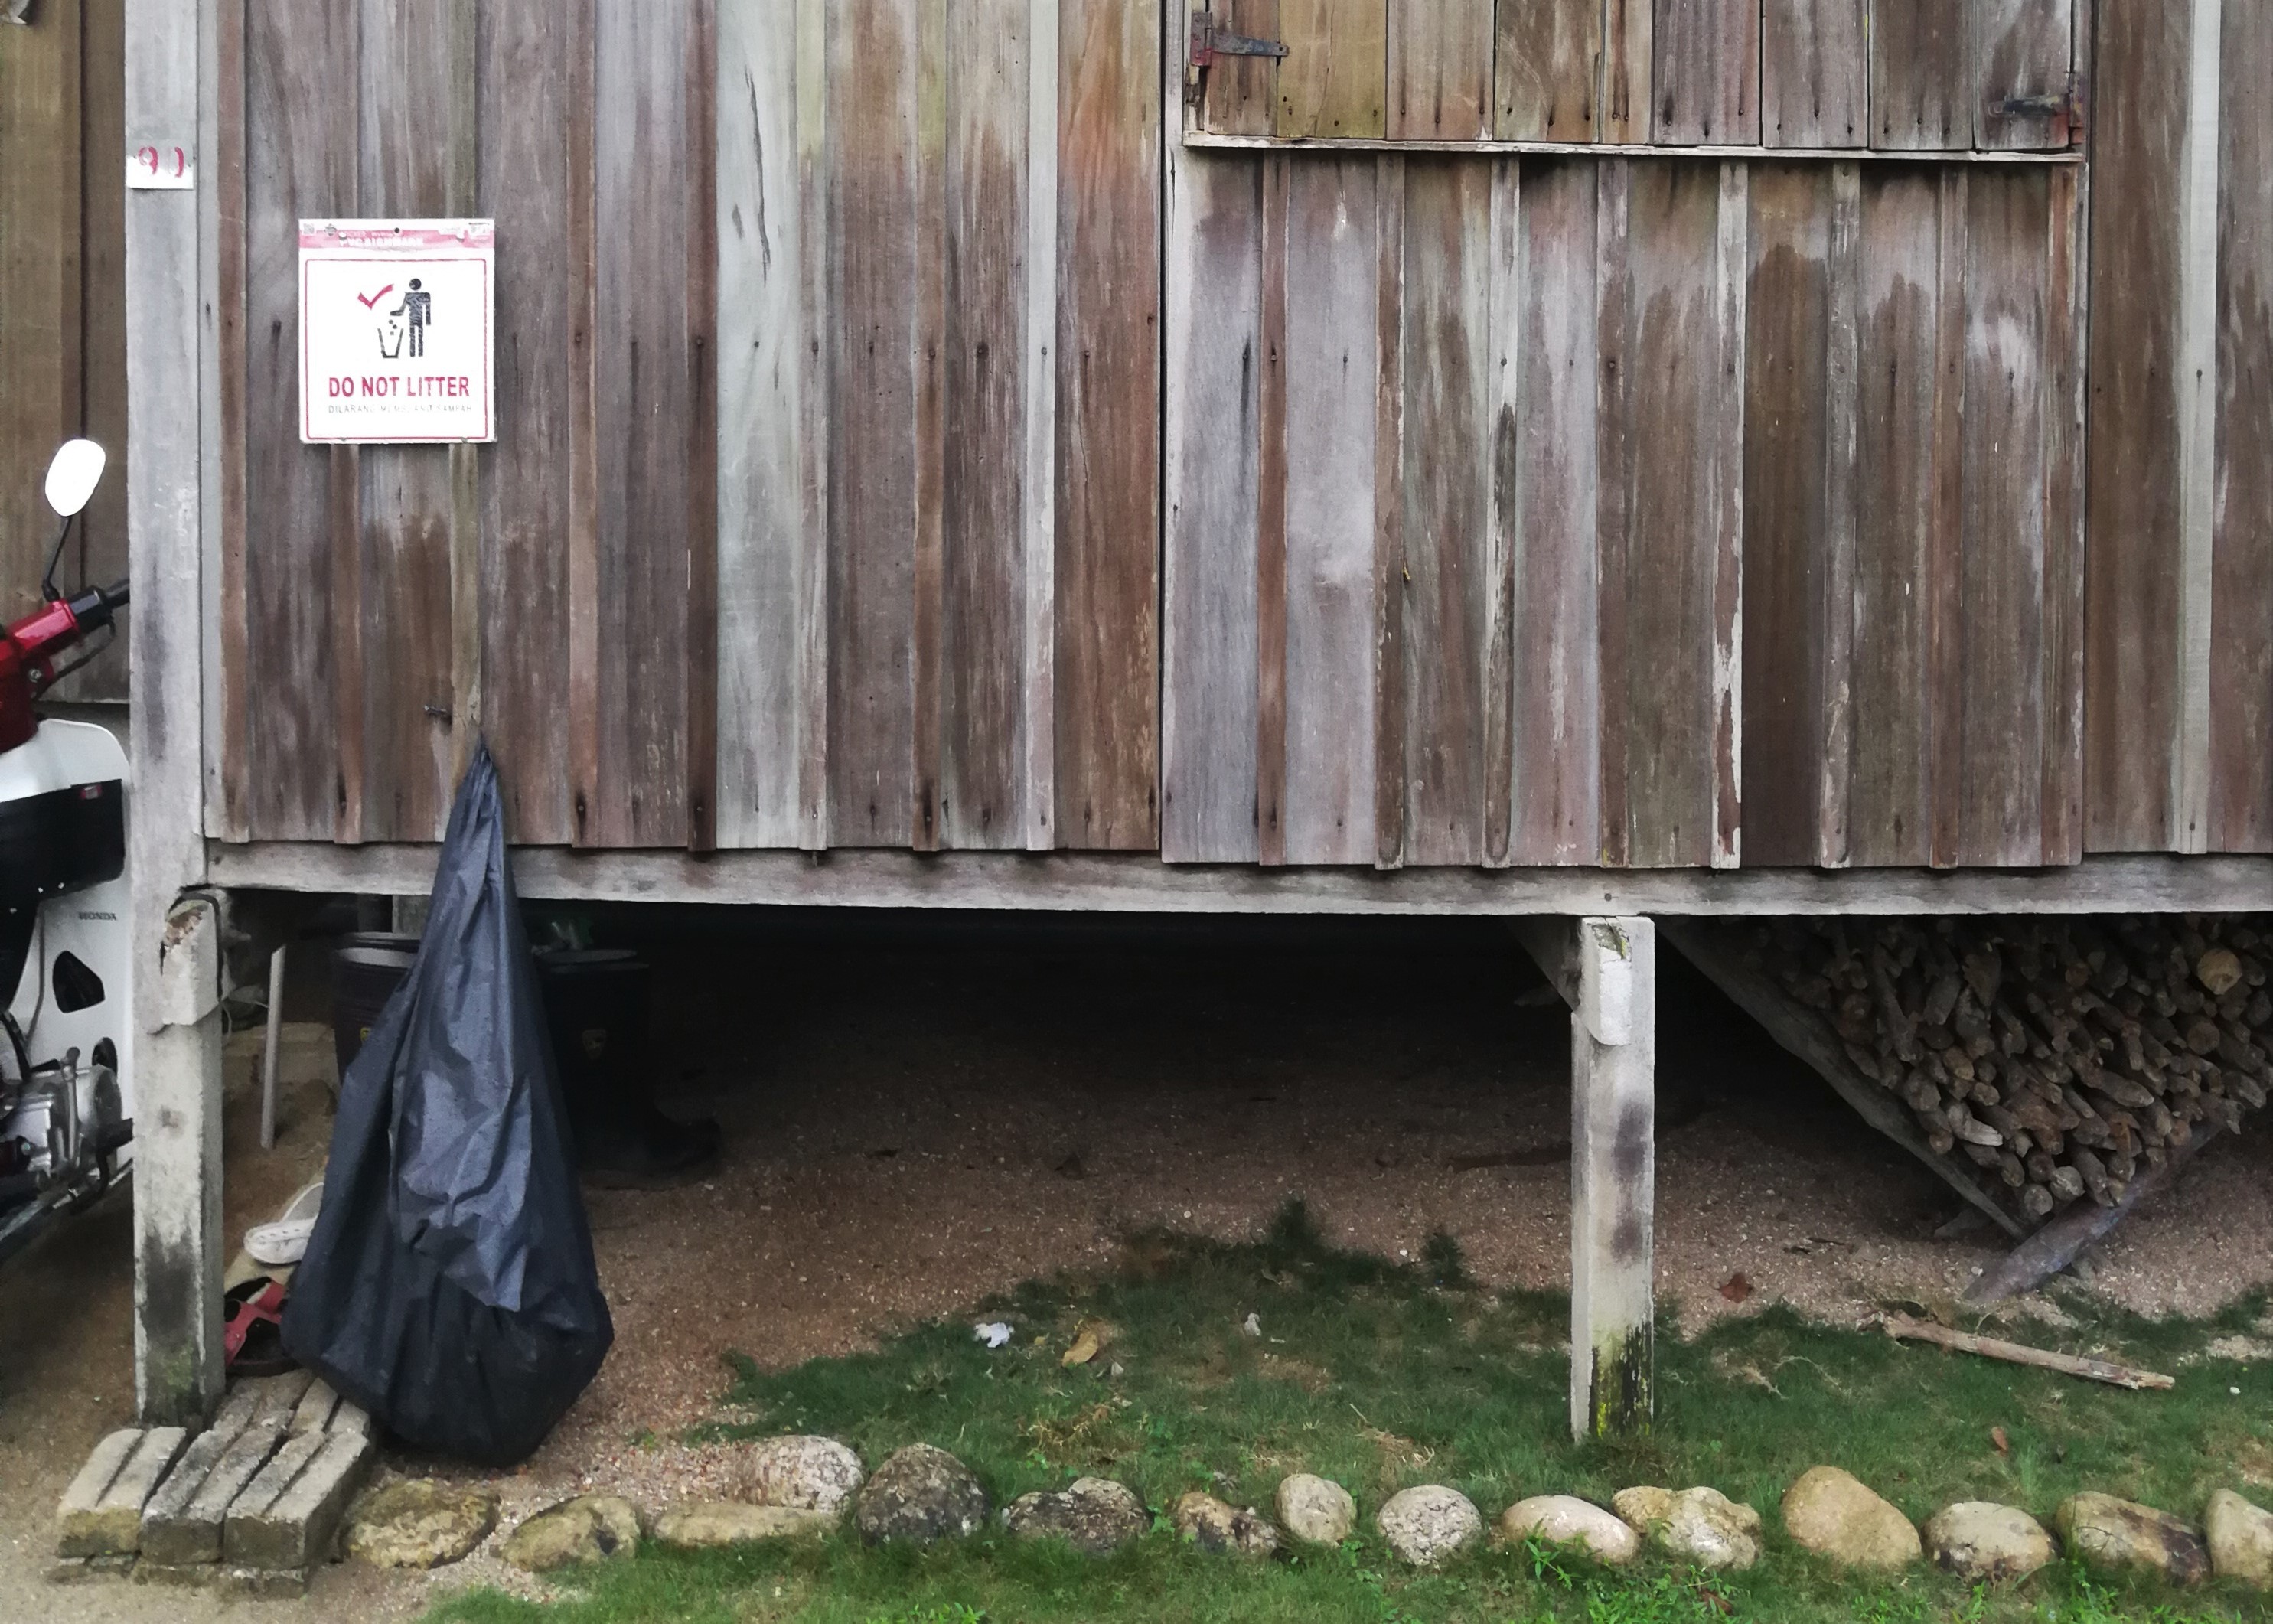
{"type": "Point", "coordinates": [396, 325]}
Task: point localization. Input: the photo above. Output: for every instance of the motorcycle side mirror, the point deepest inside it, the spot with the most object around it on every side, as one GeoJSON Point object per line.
{"type": "Point", "coordinates": [73, 474]}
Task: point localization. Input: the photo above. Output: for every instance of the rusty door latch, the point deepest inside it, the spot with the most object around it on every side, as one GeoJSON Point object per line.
{"type": "Point", "coordinates": [2061, 112]}
{"type": "Point", "coordinates": [1209, 42]}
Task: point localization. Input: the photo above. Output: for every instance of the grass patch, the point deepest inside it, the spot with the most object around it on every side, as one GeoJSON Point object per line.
{"type": "Point", "coordinates": [1382, 1375]}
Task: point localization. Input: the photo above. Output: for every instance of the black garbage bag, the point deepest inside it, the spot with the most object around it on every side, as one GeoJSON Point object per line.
{"type": "Point", "coordinates": [449, 1287]}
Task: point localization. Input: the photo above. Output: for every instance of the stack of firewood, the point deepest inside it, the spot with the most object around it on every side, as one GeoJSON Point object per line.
{"type": "Point", "coordinates": [2062, 1057]}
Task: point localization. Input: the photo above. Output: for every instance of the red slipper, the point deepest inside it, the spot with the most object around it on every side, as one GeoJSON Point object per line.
{"type": "Point", "coordinates": [252, 1328]}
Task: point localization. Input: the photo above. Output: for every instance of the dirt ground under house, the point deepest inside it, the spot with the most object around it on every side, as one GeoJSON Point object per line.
{"type": "Point", "coordinates": [919, 1111]}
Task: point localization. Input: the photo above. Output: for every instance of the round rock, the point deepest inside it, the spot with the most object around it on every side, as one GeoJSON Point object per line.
{"type": "Point", "coordinates": [1213, 1525]}
{"type": "Point", "coordinates": [1426, 1524]}
{"type": "Point", "coordinates": [1699, 1525]}
{"type": "Point", "coordinates": [921, 1495]}
{"type": "Point", "coordinates": [420, 1523]}
{"type": "Point", "coordinates": [1980, 1540]}
{"type": "Point", "coordinates": [705, 1522]}
{"type": "Point", "coordinates": [2241, 1539]}
{"type": "Point", "coordinates": [1095, 1516]}
{"type": "Point", "coordinates": [1833, 1515]}
{"type": "Point", "coordinates": [2102, 1532]}
{"type": "Point", "coordinates": [576, 1533]}
{"type": "Point", "coordinates": [810, 1474]}
{"type": "Point", "coordinates": [1318, 1511]}
{"type": "Point", "coordinates": [1565, 1520]}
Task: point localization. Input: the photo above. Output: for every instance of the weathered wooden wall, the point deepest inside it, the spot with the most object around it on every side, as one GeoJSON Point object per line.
{"type": "Point", "coordinates": [939, 523]}
{"type": "Point", "coordinates": [2179, 614]}
{"type": "Point", "coordinates": [1634, 511]}
{"type": "Point", "coordinates": [907, 439]}
{"type": "Point", "coordinates": [823, 507]}
{"type": "Point", "coordinates": [62, 298]}
{"type": "Point", "coordinates": [1896, 75]}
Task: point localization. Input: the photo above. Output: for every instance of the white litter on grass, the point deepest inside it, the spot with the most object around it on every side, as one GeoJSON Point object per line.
{"type": "Point", "coordinates": [994, 1333]}
{"type": "Point", "coordinates": [1253, 1326]}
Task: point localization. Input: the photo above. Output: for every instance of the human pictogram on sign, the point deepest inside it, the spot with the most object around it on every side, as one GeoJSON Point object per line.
{"type": "Point", "coordinates": [395, 325]}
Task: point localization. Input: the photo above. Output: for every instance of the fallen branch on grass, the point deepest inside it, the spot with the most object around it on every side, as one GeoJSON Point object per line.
{"type": "Point", "coordinates": [1902, 1327]}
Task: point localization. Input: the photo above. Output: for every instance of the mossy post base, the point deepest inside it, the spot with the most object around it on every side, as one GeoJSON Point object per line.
{"type": "Point", "coordinates": [1606, 969]}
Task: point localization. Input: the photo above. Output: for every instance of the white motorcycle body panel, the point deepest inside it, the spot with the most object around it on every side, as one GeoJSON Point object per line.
{"type": "Point", "coordinates": [91, 924]}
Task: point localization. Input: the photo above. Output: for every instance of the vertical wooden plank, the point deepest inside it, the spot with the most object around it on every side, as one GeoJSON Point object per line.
{"type": "Point", "coordinates": [1841, 358]}
{"type": "Point", "coordinates": [1447, 506]}
{"type": "Point", "coordinates": [1389, 573]}
{"type": "Point", "coordinates": [525, 116]}
{"type": "Point", "coordinates": [1546, 70]}
{"type": "Point", "coordinates": [1242, 92]}
{"type": "Point", "coordinates": [1787, 418]}
{"type": "Point", "coordinates": [1814, 73]}
{"type": "Point", "coordinates": [2022, 53]}
{"type": "Point", "coordinates": [1037, 481]}
{"type": "Point", "coordinates": [2241, 634]}
{"type": "Point", "coordinates": [1214, 361]}
{"type": "Point", "coordinates": [1676, 516]}
{"type": "Point", "coordinates": [647, 426]}
{"type": "Point", "coordinates": [699, 47]}
{"type": "Point", "coordinates": [875, 69]}
{"type": "Point", "coordinates": [583, 411]}
{"type": "Point", "coordinates": [1334, 82]}
{"type": "Point", "coordinates": [1440, 71]}
{"type": "Point", "coordinates": [1921, 74]}
{"type": "Point", "coordinates": [408, 141]}
{"type": "Point", "coordinates": [2001, 818]}
{"type": "Point", "coordinates": [762, 320]}
{"type": "Point", "coordinates": [300, 162]}
{"type": "Point", "coordinates": [931, 341]}
{"type": "Point", "coordinates": [1616, 455]}
{"type": "Point", "coordinates": [1503, 365]}
{"type": "Point", "coordinates": [343, 510]}
{"type": "Point", "coordinates": [462, 200]}
{"type": "Point", "coordinates": [1947, 699]}
{"type": "Point", "coordinates": [1548, 410]}
{"type": "Point", "coordinates": [1271, 526]}
{"type": "Point", "coordinates": [100, 552]}
{"type": "Point", "coordinates": [2064, 321]}
{"type": "Point", "coordinates": [1889, 813]}
{"type": "Point", "coordinates": [816, 418]}
{"type": "Point", "coordinates": [2197, 379]}
{"type": "Point", "coordinates": [39, 248]}
{"type": "Point", "coordinates": [983, 637]}
{"type": "Point", "coordinates": [1106, 575]}
{"type": "Point", "coordinates": [1330, 366]}
{"type": "Point", "coordinates": [231, 789]}
{"type": "Point", "coordinates": [1725, 671]}
{"type": "Point", "coordinates": [1628, 58]}
{"type": "Point", "coordinates": [1707, 82]}
{"type": "Point", "coordinates": [2133, 508]}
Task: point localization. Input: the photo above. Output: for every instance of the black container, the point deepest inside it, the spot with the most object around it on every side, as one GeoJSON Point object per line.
{"type": "Point", "coordinates": [364, 977]}
{"type": "Point", "coordinates": [595, 1006]}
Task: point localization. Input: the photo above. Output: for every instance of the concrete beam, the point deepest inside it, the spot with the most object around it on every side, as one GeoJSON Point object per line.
{"type": "Point", "coordinates": [175, 1088]}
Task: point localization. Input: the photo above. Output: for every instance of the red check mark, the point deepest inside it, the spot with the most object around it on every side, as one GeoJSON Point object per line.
{"type": "Point", "coordinates": [373, 300]}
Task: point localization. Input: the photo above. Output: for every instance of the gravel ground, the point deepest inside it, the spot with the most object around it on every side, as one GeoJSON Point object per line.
{"type": "Point", "coordinates": [919, 1113]}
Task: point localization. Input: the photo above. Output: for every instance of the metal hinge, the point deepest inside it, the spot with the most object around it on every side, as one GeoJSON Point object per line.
{"type": "Point", "coordinates": [1209, 41]}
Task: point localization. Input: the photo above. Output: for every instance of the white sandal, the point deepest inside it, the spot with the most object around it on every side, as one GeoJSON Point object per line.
{"type": "Point", "coordinates": [285, 1240]}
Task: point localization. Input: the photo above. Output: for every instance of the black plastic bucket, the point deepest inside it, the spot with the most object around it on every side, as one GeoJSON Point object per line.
{"type": "Point", "coordinates": [595, 1004]}
{"type": "Point", "coordinates": [364, 977]}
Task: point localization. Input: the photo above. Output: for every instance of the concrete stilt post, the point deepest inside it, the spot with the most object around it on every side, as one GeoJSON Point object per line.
{"type": "Point", "coordinates": [1606, 970]}
{"type": "Point", "coordinates": [171, 434]}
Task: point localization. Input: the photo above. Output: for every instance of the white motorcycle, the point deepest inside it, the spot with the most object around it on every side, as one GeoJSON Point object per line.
{"type": "Point", "coordinates": [66, 1038]}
